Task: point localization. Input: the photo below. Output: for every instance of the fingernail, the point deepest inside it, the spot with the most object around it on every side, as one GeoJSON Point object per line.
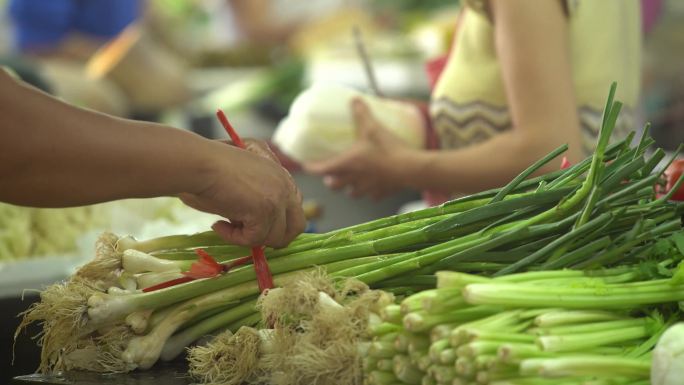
{"type": "Point", "coordinates": [219, 224]}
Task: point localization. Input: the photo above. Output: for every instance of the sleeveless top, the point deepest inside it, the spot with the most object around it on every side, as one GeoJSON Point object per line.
{"type": "Point", "coordinates": [469, 103]}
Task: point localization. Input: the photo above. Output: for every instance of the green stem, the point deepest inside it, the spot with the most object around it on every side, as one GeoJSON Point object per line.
{"type": "Point", "coordinates": [572, 298]}
{"type": "Point", "coordinates": [495, 209]}
{"type": "Point", "coordinates": [535, 276]}
{"type": "Point", "coordinates": [454, 206]}
{"type": "Point", "coordinates": [242, 280]}
{"type": "Point", "coordinates": [345, 238]}
{"type": "Point", "coordinates": [613, 255]}
{"type": "Point", "coordinates": [527, 172]}
{"type": "Point", "coordinates": [652, 162]}
{"type": "Point", "coordinates": [429, 281]}
{"type": "Point", "coordinates": [588, 209]}
{"type": "Point", "coordinates": [420, 321]}
{"type": "Point", "coordinates": [590, 226]}
{"type": "Point", "coordinates": [648, 345]}
{"type": "Point", "coordinates": [444, 300]}
{"type": "Point", "coordinates": [368, 264]}
{"type": "Point", "coordinates": [175, 345]}
{"type": "Point", "coordinates": [570, 317]}
{"type": "Point", "coordinates": [206, 238]}
{"type": "Point", "coordinates": [630, 189]}
{"type": "Point", "coordinates": [579, 254]}
{"type": "Point", "coordinates": [383, 329]}
{"type": "Point", "coordinates": [583, 341]}
{"type": "Point", "coordinates": [572, 173]}
{"type": "Point", "coordinates": [420, 259]}
{"type": "Point", "coordinates": [610, 115]}
{"type": "Point", "coordinates": [219, 252]}
{"type": "Point", "coordinates": [623, 174]}
{"type": "Point", "coordinates": [456, 279]}
{"type": "Point", "coordinates": [488, 335]}
{"type": "Point", "coordinates": [487, 243]}
{"type": "Point", "coordinates": [586, 366]}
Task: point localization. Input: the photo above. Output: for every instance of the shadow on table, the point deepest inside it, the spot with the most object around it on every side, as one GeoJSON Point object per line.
{"type": "Point", "coordinates": [26, 353]}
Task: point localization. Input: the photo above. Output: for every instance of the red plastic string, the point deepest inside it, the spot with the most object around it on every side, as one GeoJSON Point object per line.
{"type": "Point", "coordinates": [229, 128]}
{"type": "Point", "coordinates": [238, 262]}
{"type": "Point", "coordinates": [166, 284]}
{"type": "Point", "coordinates": [205, 267]}
{"type": "Point", "coordinates": [565, 163]}
{"type": "Point", "coordinates": [263, 273]}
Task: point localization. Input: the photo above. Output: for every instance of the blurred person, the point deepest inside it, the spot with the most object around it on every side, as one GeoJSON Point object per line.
{"type": "Point", "coordinates": [522, 78]}
{"type": "Point", "coordinates": [269, 22]}
{"type": "Point", "coordinates": [71, 29]}
{"type": "Point", "coordinates": [256, 21]}
{"type": "Point", "coordinates": [53, 154]}
{"type": "Point", "coordinates": [63, 35]}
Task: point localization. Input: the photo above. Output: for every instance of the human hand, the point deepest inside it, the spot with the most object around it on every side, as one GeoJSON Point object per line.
{"type": "Point", "coordinates": [372, 166]}
{"type": "Point", "coordinates": [254, 192]}
{"type": "Point", "coordinates": [258, 147]}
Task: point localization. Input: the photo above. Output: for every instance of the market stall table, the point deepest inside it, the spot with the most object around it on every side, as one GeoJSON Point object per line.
{"type": "Point", "coordinates": [167, 374]}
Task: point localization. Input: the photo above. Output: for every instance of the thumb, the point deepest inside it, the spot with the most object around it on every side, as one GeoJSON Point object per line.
{"type": "Point", "coordinates": [364, 121]}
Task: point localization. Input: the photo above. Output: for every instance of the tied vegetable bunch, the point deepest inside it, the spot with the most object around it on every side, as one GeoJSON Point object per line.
{"type": "Point", "coordinates": [129, 307]}
{"type": "Point", "coordinates": [543, 327]}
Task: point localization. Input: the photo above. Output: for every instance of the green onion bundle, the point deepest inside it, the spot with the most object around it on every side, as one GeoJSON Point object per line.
{"type": "Point", "coordinates": [549, 327]}
{"type": "Point", "coordinates": [599, 212]}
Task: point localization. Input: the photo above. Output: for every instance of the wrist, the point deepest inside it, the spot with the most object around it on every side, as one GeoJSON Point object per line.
{"type": "Point", "coordinates": [201, 172]}
{"type": "Point", "coordinates": [410, 165]}
{"type": "Point", "coordinates": [179, 161]}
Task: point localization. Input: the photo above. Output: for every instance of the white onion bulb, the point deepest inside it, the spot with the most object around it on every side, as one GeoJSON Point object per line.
{"type": "Point", "coordinates": [668, 357]}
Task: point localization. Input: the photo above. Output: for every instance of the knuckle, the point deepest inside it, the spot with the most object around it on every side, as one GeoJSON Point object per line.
{"type": "Point", "coordinates": [270, 206]}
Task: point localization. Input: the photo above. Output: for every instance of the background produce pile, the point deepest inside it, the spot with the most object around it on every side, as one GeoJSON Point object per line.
{"type": "Point", "coordinates": [33, 232]}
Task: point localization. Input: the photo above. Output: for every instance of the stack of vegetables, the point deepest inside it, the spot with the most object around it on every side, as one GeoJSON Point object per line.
{"type": "Point", "coordinates": [138, 302]}
{"type": "Point", "coordinates": [548, 327]}
{"type": "Point", "coordinates": [27, 232]}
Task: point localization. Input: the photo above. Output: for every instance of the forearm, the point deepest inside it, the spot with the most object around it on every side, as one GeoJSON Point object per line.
{"type": "Point", "coordinates": [53, 154]}
{"type": "Point", "coordinates": [475, 168]}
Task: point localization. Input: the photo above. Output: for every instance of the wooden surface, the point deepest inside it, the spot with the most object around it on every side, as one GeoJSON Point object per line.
{"type": "Point", "coordinates": [169, 374]}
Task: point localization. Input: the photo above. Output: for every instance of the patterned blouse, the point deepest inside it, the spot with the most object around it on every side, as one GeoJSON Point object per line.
{"type": "Point", "coordinates": [469, 103]}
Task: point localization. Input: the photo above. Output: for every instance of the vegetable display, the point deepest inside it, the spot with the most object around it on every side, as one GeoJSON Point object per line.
{"type": "Point", "coordinates": [27, 232]}
{"type": "Point", "coordinates": [590, 247]}
{"type": "Point", "coordinates": [542, 327]}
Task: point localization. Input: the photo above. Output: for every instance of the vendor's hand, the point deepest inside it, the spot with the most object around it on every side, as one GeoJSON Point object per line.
{"type": "Point", "coordinates": [258, 147]}
{"type": "Point", "coordinates": [372, 166]}
{"type": "Point", "coordinates": [254, 192]}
